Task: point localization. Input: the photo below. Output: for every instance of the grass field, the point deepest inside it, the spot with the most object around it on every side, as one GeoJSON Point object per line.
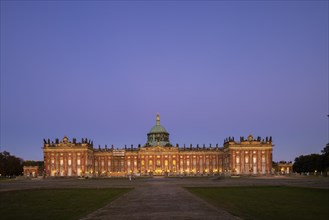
{"type": "Point", "coordinates": [54, 203]}
{"type": "Point", "coordinates": [269, 202]}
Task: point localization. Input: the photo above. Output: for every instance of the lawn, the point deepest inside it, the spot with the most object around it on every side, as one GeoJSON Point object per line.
{"type": "Point", "coordinates": [269, 202]}
{"type": "Point", "coordinates": [54, 203]}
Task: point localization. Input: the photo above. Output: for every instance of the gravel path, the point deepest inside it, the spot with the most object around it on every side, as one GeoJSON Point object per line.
{"type": "Point", "coordinates": [159, 200]}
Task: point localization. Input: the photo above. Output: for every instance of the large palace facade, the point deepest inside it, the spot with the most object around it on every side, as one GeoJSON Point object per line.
{"type": "Point", "coordinates": [158, 157]}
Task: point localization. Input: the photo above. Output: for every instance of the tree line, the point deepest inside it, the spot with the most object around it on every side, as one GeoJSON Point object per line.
{"type": "Point", "coordinates": [313, 162]}
{"type": "Point", "coordinates": [11, 165]}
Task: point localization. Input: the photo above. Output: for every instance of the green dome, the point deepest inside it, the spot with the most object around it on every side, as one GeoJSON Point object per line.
{"type": "Point", "coordinates": [158, 135]}
{"type": "Point", "coordinates": [158, 129]}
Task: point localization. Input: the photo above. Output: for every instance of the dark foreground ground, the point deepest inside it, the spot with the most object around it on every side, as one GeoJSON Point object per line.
{"type": "Point", "coordinates": [162, 198]}
{"type": "Point", "coordinates": [300, 181]}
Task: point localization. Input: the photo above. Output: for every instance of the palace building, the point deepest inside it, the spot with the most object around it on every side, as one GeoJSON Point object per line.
{"type": "Point", "coordinates": [158, 157]}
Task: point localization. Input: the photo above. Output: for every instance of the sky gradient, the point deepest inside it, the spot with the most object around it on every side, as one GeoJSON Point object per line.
{"type": "Point", "coordinates": [102, 70]}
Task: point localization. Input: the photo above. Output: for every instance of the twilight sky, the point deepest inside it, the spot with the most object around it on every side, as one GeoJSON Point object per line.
{"type": "Point", "coordinates": [212, 69]}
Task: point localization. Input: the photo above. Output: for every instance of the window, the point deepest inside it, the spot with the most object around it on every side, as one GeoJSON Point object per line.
{"type": "Point", "coordinates": [237, 160]}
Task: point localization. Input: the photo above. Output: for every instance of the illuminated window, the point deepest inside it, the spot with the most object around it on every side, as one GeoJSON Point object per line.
{"type": "Point", "coordinates": [237, 160]}
{"type": "Point", "coordinates": [254, 159]}
{"type": "Point", "coordinates": [78, 162]}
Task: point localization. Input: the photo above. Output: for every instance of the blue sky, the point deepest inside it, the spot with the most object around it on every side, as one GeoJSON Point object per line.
{"type": "Point", "coordinates": [212, 69]}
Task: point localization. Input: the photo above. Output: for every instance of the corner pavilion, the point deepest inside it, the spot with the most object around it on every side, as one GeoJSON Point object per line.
{"type": "Point", "coordinates": [158, 157]}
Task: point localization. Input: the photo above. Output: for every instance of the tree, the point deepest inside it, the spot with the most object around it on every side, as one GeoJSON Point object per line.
{"type": "Point", "coordinates": [313, 162]}
{"type": "Point", "coordinates": [325, 158]}
{"type": "Point", "coordinates": [325, 149]}
{"type": "Point", "coordinates": [308, 163]}
{"type": "Point", "coordinates": [10, 165]}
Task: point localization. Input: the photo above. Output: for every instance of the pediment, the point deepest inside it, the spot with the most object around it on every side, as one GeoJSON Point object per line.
{"type": "Point", "coordinates": [159, 149]}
